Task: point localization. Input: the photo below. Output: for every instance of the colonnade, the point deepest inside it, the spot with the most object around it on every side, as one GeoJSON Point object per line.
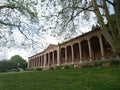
{"type": "Point", "coordinates": [82, 50]}
{"type": "Point", "coordinates": [78, 51]}
{"type": "Point", "coordinates": [44, 60]}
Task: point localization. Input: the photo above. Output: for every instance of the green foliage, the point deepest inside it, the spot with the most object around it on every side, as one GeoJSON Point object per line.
{"type": "Point", "coordinates": [18, 61]}
{"type": "Point", "coordinates": [88, 65]}
{"type": "Point", "coordinates": [15, 62]}
{"type": "Point", "coordinates": [103, 78]}
{"type": "Point", "coordinates": [3, 66]}
{"type": "Point", "coordinates": [115, 62]}
{"type": "Point", "coordinates": [58, 67]}
{"type": "Point", "coordinates": [38, 69]}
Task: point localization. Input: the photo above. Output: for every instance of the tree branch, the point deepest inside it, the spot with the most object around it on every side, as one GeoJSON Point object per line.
{"type": "Point", "coordinates": [110, 2]}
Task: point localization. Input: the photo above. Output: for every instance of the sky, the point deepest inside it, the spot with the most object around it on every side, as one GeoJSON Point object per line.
{"type": "Point", "coordinates": [8, 53]}
{"type": "Point", "coordinates": [44, 38]}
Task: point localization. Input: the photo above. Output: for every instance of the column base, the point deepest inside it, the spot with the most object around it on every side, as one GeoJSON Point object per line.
{"type": "Point", "coordinates": [102, 58]}
{"type": "Point", "coordinates": [90, 60]}
{"type": "Point", "coordinates": [80, 61]}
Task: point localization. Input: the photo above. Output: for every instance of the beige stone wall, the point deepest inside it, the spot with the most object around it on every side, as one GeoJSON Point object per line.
{"type": "Point", "coordinates": [77, 52]}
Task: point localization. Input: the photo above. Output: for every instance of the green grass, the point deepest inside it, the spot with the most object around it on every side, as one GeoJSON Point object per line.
{"type": "Point", "coordinates": [107, 78]}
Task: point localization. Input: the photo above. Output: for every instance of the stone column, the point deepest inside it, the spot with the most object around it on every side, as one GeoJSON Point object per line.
{"type": "Point", "coordinates": [72, 51]}
{"type": "Point", "coordinates": [58, 56]}
{"type": "Point", "coordinates": [36, 61]}
{"type": "Point", "coordinates": [48, 59]}
{"type": "Point", "coordinates": [65, 55]}
{"type": "Point", "coordinates": [101, 45]}
{"type": "Point", "coordinates": [80, 50]}
{"type": "Point", "coordinates": [33, 62]}
{"type": "Point", "coordinates": [44, 60]}
{"type": "Point", "coordinates": [41, 61]}
{"type": "Point", "coordinates": [90, 51]}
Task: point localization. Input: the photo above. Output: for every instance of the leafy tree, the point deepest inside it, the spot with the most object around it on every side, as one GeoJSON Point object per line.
{"type": "Point", "coordinates": [17, 16]}
{"type": "Point", "coordinates": [3, 66]}
{"type": "Point", "coordinates": [71, 10]}
{"type": "Point", "coordinates": [15, 62]}
{"type": "Point", "coordinates": [12, 8]}
{"type": "Point", "coordinates": [18, 62]}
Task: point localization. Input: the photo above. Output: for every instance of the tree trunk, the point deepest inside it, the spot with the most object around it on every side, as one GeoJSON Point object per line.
{"type": "Point", "coordinates": [109, 32]}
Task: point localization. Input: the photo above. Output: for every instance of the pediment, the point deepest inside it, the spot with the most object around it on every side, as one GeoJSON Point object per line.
{"type": "Point", "coordinates": [51, 46]}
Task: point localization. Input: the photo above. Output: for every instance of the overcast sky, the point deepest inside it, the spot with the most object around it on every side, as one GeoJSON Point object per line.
{"type": "Point", "coordinates": [44, 38]}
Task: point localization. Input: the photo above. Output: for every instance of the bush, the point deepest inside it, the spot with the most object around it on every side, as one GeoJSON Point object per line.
{"type": "Point", "coordinates": [97, 64]}
{"type": "Point", "coordinates": [58, 67]}
{"type": "Point", "coordinates": [115, 62]}
{"type": "Point", "coordinates": [78, 66]}
{"type": "Point", "coordinates": [52, 68]}
{"type": "Point", "coordinates": [88, 65]}
{"type": "Point", "coordinates": [38, 69]}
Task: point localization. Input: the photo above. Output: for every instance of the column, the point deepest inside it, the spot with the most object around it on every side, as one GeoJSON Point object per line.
{"type": "Point", "coordinates": [33, 62]}
{"type": "Point", "coordinates": [58, 56]}
{"type": "Point", "coordinates": [44, 60]}
{"type": "Point", "coordinates": [72, 54]}
{"type": "Point", "coordinates": [80, 50]}
{"type": "Point", "coordinates": [65, 55]}
{"type": "Point", "coordinates": [36, 61]}
{"type": "Point", "coordinates": [90, 51]}
{"type": "Point", "coordinates": [41, 61]}
{"type": "Point", "coordinates": [101, 45]}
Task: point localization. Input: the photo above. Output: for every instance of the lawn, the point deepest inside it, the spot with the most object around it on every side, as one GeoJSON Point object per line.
{"type": "Point", "coordinates": [99, 78]}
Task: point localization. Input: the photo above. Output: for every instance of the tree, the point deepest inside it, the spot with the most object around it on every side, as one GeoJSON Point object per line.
{"type": "Point", "coordinates": [103, 9]}
{"type": "Point", "coordinates": [20, 16]}
{"type": "Point", "coordinates": [18, 62]}
{"type": "Point", "coordinates": [4, 66]}
{"type": "Point", "coordinates": [15, 62]}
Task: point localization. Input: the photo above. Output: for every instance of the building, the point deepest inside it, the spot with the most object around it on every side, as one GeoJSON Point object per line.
{"type": "Point", "coordinates": [88, 47]}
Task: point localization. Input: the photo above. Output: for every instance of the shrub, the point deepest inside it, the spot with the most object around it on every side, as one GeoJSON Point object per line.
{"type": "Point", "coordinates": [38, 69]}
{"type": "Point", "coordinates": [58, 67]}
{"type": "Point", "coordinates": [115, 62]}
{"type": "Point", "coordinates": [88, 65]}
{"type": "Point", "coordinates": [78, 66]}
{"type": "Point", "coordinates": [52, 68]}
{"type": "Point", "coordinates": [106, 64]}
{"type": "Point", "coordinates": [97, 64]}
{"type": "Point", "coordinates": [67, 67]}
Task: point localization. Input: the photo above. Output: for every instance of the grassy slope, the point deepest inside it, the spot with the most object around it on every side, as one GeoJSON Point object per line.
{"type": "Point", "coordinates": [70, 79]}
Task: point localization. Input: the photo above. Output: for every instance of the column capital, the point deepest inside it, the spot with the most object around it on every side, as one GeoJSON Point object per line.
{"type": "Point", "coordinates": [99, 36]}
